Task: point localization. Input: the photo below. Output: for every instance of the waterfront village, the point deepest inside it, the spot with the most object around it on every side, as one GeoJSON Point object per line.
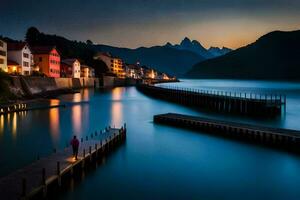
{"type": "Point", "coordinates": [20, 59]}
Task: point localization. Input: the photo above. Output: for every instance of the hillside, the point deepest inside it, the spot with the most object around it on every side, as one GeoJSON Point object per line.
{"type": "Point", "coordinates": [273, 56]}
{"type": "Point", "coordinates": [67, 48]}
{"type": "Point", "coordinates": [169, 60]}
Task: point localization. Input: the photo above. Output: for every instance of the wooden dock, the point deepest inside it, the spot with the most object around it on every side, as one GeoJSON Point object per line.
{"type": "Point", "coordinates": [258, 105]}
{"type": "Point", "coordinates": [283, 138]}
{"type": "Point", "coordinates": [34, 180]}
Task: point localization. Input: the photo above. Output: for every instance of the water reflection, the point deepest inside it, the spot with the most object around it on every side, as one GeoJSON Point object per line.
{"type": "Point", "coordinates": [14, 125]}
{"type": "Point", "coordinates": [1, 124]}
{"type": "Point", "coordinates": [54, 120]}
{"type": "Point", "coordinates": [77, 114]}
{"type": "Point", "coordinates": [117, 107]}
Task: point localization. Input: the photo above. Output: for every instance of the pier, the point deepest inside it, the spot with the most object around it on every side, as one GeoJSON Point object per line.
{"type": "Point", "coordinates": [258, 105]}
{"type": "Point", "coordinates": [20, 107]}
{"type": "Point", "coordinates": [282, 138]}
{"type": "Point", "coordinates": [43, 177]}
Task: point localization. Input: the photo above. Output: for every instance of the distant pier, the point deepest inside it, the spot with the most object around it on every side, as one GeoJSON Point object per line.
{"type": "Point", "coordinates": [267, 105]}
{"type": "Point", "coordinates": [282, 138]}
{"type": "Point", "coordinates": [45, 176]}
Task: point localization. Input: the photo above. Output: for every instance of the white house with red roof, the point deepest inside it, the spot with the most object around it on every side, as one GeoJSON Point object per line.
{"type": "Point", "coordinates": [19, 52]}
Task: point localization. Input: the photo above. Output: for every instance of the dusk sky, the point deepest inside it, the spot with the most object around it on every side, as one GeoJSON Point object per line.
{"type": "Point", "coordinates": [135, 23]}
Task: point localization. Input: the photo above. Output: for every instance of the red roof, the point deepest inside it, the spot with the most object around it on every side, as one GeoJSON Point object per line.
{"type": "Point", "coordinates": [69, 61]}
{"type": "Point", "coordinates": [42, 49]}
{"type": "Point", "coordinates": [16, 46]}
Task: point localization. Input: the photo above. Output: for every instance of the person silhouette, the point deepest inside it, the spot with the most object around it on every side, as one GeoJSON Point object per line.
{"type": "Point", "coordinates": [75, 146]}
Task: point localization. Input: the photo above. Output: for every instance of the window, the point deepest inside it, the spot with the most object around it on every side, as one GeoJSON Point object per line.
{"type": "Point", "coordinates": [26, 64]}
{"type": "Point", "coordinates": [2, 53]}
{"type": "Point", "coordinates": [1, 61]}
{"type": "Point", "coordinates": [25, 55]}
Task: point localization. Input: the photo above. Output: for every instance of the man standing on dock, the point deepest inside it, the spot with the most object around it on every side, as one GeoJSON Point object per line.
{"type": "Point", "coordinates": [75, 146]}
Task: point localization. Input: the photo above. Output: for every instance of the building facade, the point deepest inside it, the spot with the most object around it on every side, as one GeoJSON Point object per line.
{"type": "Point", "coordinates": [20, 53]}
{"type": "Point", "coordinates": [47, 59]}
{"type": "Point", "coordinates": [14, 68]}
{"type": "Point", "coordinates": [3, 56]}
{"type": "Point", "coordinates": [115, 65]}
{"type": "Point", "coordinates": [87, 72]}
{"type": "Point", "coordinates": [70, 68]}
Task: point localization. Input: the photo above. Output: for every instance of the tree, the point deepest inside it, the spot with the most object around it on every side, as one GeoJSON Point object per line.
{"type": "Point", "coordinates": [32, 35]}
{"type": "Point", "coordinates": [89, 42]}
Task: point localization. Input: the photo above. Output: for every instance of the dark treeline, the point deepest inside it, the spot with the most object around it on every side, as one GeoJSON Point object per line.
{"type": "Point", "coordinates": [67, 48]}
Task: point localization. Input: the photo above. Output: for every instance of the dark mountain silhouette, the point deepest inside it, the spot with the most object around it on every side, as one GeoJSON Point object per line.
{"type": "Point", "coordinates": [163, 58]}
{"type": "Point", "coordinates": [216, 51]}
{"type": "Point", "coordinates": [273, 56]}
{"type": "Point", "coordinates": [196, 47]}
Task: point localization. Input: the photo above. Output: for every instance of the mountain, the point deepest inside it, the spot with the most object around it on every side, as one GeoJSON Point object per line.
{"type": "Point", "coordinates": [273, 56]}
{"type": "Point", "coordinates": [163, 58]}
{"type": "Point", "coordinates": [196, 47]}
{"type": "Point", "coordinates": [216, 51]}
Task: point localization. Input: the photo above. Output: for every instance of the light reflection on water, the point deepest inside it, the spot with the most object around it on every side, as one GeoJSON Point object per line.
{"type": "Point", "coordinates": [54, 120]}
{"type": "Point", "coordinates": [116, 108]}
{"type": "Point", "coordinates": [156, 159]}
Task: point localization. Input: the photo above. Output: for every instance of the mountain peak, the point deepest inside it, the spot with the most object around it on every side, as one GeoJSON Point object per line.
{"type": "Point", "coordinates": [186, 42]}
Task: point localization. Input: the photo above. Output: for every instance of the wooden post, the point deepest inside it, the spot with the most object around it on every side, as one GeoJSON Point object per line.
{"type": "Point", "coordinates": [44, 182]}
{"type": "Point", "coordinates": [90, 152]}
{"type": "Point", "coordinates": [24, 187]}
{"type": "Point", "coordinates": [96, 150]}
{"type": "Point", "coordinates": [44, 176]}
{"type": "Point", "coordinates": [58, 173]}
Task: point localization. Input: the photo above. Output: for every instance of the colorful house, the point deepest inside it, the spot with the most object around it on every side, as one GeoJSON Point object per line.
{"type": "Point", "coordinates": [87, 72]}
{"type": "Point", "coordinates": [70, 68]}
{"type": "Point", "coordinates": [114, 64]}
{"type": "Point", "coordinates": [47, 58]}
{"type": "Point", "coordinates": [3, 56]}
{"type": "Point", "coordinates": [20, 53]}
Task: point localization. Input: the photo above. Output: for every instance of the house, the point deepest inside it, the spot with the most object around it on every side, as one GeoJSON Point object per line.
{"type": "Point", "coordinates": [133, 71]}
{"type": "Point", "coordinates": [3, 56]}
{"type": "Point", "coordinates": [114, 64]}
{"type": "Point", "coordinates": [14, 67]}
{"type": "Point", "coordinates": [47, 59]}
{"type": "Point", "coordinates": [20, 53]}
{"type": "Point", "coordinates": [149, 73]}
{"type": "Point", "coordinates": [70, 68]}
{"type": "Point", "coordinates": [87, 72]}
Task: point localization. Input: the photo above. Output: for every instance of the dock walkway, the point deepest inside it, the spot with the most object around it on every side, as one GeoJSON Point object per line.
{"type": "Point", "coordinates": [286, 138]}
{"type": "Point", "coordinates": [261, 105]}
{"type": "Point", "coordinates": [35, 178]}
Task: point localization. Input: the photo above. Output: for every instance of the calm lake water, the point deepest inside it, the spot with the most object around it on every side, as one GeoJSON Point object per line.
{"type": "Point", "coordinates": [159, 162]}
